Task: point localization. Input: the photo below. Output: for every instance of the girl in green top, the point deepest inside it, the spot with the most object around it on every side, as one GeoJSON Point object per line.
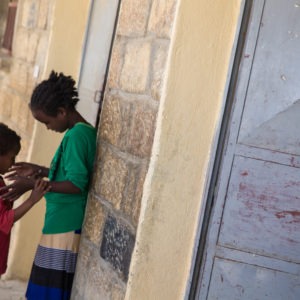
{"type": "Point", "coordinates": [53, 103]}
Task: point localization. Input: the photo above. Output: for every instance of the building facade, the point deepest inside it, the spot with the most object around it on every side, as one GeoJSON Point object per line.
{"type": "Point", "coordinates": [159, 79]}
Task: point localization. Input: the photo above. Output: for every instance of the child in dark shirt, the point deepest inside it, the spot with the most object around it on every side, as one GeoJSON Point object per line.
{"type": "Point", "coordinates": [9, 148]}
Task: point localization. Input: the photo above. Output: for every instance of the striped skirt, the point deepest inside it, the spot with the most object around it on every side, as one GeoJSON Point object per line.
{"type": "Point", "coordinates": [54, 267]}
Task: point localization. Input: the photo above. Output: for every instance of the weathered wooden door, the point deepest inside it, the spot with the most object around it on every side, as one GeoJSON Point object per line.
{"type": "Point", "coordinates": [253, 241]}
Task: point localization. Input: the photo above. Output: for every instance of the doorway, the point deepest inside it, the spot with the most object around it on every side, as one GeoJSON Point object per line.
{"type": "Point", "coordinates": [252, 240]}
{"type": "Point", "coordinates": [99, 35]}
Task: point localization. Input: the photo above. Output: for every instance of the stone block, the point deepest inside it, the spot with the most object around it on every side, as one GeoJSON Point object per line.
{"type": "Point", "coordinates": [116, 62]}
{"type": "Point", "coordinates": [136, 204]}
{"type": "Point", "coordinates": [82, 267]}
{"type": "Point", "coordinates": [16, 103]}
{"type": "Point", "coordinates": [100, 154]}
{"type": "Point", "coordinates": [42, 50]}
{"type": "Point", "coordinates": [117, 245]}
{"type": "Point", "coordinates": [162, 17]}
{"type": "Point", "coordinates": [142, 131]}
{"type": "Point", "coordinates": [135, 71]}
{"type": "Point", "coordinates": [5, 62]}
{"type": "Point", "coordinates": [131, 206]}
{"type": "Point", "coordinates": [113, 179]}
{"type": "Point", "coordinates": [117, 292]}
{"type": "Point", "coordinates": [22, 114]}
{"type": "Point", "coordinates": [30, 13]}
{"type": "Point", "coordinates": [94, 220]}
{"type": "Point", "coordinates": [42, 21]}
{"type": "Point", "coordinates": [21, 41]}
{"type": "Point", "coordinates": [6, 101]}
{"type": "Point", "coordinates": [101, 280]}
{"type": "Point", "coordinates": [133, 17]}
{"type": "Point", "coordinates": [128, 203]}
{"type": "Point", "coordinates": [159, 68]}
{"type": "Point", "coordinates": [115, 121]}
{"type": "Point", "coordinates": [131, 202]}
{"type": "Point", "coordinates": [33, 43]}
{"type": "Point", "coordinates": [19, 77]}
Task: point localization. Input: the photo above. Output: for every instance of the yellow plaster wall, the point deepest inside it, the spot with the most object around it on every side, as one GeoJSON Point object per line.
{"type": "Point", "coordinates": [64, 55]}
{"type": "Point", "coordinates": [189, 117]}
{"type": "Point", "coordinates": [69, 25]}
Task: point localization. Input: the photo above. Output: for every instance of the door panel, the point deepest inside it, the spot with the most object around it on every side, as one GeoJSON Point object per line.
{"type": "Point", "coordinates": [236, 281]}
{"type": "Point", "coordinates": [262, 213]}
{"type": "Point", "coordinates": [253, 240]}
{"type": "Point", "coordinates": [280, 132]}
{"type": "Point", "coordinates": [274, 81]}
{"type": "Point", "coordinates": [96, 54]}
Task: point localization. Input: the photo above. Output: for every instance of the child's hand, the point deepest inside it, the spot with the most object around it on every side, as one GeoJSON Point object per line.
{"type": "Point", "coordinates": [41, 187]}
{"type": "Point", "coordinates": [16, 189]}
{"type": "Point", "coordinates": [23, 169]}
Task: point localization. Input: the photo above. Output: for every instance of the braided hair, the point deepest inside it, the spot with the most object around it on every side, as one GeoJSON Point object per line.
{"type": "Point", "coordinates": [56, 91]}
{"type": "Point", "coordinates": [9, 140]}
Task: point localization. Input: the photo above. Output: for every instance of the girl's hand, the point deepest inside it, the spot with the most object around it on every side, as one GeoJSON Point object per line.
{"type": "Point", "coordinates": [16, 189]}
{"type": "Point", "coordinates": [23, 169]}
{"type": "Point", "coordinates": [41, 187]}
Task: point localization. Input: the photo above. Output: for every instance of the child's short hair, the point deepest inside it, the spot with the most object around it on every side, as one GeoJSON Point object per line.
{"type": "Point", "coordinates": [9, 140]}
{"type": "Point", "coordinates": [56, 91]}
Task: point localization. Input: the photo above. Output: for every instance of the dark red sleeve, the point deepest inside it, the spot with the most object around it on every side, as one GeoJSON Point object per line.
{"type": "Point", "coordinates": [6, 214]}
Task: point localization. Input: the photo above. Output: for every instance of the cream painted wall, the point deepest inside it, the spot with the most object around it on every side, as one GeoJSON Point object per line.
{"type": "Point", "coordinates": [69, 25]}
{"type": "Point", "coordinates": [189, 118]}
{"type": "Point", "coordinates": [64, 55]}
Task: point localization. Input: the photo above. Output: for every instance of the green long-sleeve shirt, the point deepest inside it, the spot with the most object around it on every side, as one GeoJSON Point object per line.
{"type": "Point", "coordinates": [73, 161]}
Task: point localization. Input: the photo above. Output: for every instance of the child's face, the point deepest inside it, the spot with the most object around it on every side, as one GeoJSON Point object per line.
{"type": "Point", "coordinates": [57, 123]}
{"type": "Point", "coordinates": [7, 160]}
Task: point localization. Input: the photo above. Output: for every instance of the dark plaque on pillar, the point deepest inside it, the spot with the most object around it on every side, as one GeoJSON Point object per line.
{"type": "Point", "coordinates": [117, 245]}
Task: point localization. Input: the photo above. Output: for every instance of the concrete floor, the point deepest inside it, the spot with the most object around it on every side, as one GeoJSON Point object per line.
{"type": "Point", "coordinates": [12, 290]}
